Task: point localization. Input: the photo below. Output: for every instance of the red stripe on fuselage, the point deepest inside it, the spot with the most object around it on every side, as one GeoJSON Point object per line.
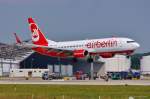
{"type": "Point", "coordinates": [127, 52]}
{"type": "Point", "coordinates": [63, 55]}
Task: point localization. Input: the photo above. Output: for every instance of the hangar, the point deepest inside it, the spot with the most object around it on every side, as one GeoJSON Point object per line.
{"type": "Point", "coordinates": [58, 65]}
{"type": "Point", "coordinates": [67, 67]}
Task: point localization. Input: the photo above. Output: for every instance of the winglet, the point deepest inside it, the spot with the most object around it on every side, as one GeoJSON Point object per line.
{"type": "Point", "coordinates": [30, 20]}
{"type": "Point", "coordinates": [17, 39]}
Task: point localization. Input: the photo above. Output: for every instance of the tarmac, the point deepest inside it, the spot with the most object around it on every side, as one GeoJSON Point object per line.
{"type": "Point", "coordinates": [73, 82]}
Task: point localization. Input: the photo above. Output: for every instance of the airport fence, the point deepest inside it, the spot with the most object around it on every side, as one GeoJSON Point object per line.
{"type": "Point", "coordinates": [70, 97]}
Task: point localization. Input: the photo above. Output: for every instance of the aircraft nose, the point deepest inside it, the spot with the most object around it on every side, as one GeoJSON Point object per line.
{"type": "Point", "coordinates": [137, 45]}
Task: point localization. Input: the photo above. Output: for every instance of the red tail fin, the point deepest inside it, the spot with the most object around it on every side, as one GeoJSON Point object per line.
{"type": "Point", "coordinates": [17, 39]}
{"type": "Point", "coordinates": [38, 37]}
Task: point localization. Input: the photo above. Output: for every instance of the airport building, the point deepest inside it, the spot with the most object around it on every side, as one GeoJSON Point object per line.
{"type": "Point", "coordinates": [118, 63]}
{"type": "Point", "coordinates": [27, 72]}
{"type": "Point", "coordinates": [67, 67]}
{"type": "Point", "coordinates": [6, 65]}
{"type": "Point", "coordinates": [10, 57]}
{"type": "Point", "coordinates": [145, 65]}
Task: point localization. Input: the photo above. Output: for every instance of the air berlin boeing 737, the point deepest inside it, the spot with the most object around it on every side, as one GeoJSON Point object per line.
{"type": "Point", "coordinates": [106, 47]}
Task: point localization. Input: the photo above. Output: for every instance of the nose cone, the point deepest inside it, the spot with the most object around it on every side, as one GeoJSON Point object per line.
{"type": "Point", "coordinates": [137, 45]}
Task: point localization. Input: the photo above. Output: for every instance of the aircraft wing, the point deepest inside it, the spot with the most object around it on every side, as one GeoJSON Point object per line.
{"type": "Point", "coordinates": [64, 52]}
{"type": "Point", "coordinates": [47, 49]}
{"type": "Point", "coordinates": [29, 45]}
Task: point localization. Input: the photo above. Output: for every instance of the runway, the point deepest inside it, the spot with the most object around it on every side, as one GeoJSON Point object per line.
{"type": "Point", "coordinates": [75, 82]}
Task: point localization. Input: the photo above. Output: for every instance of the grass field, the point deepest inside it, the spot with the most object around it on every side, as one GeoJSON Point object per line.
{"type": "Point", "coordinates": [73, 92]}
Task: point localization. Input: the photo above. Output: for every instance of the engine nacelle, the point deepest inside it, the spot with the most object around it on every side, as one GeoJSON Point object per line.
{"type": "Point", "coordinates": [80, 53]}
{"type": "Point", "coordinates": [107, 55]}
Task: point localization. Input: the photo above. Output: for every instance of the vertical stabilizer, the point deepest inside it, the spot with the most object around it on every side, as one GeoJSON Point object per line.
{"type": "Point", "coordinates": [38, 37]}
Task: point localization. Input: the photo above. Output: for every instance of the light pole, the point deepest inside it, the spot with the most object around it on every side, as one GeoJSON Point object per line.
{"type": "Point", "coordinates": [32, 62]}
{"type": "Point", "coordinates": [59, 63]}
{"type": "Point", "coordinates": [24, 64]}
{"type": "Point", "coordinates": [11, 64]}
{"type": "Point", "coordinates": [2, 66]}
{"type": "Point", "coordinates": [91, 61]}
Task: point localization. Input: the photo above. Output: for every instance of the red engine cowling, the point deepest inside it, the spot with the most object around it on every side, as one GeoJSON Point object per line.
{"type": "Point", "coordinates": [80, 53]}
{"type": "Point", "coordinates": [107, 55]}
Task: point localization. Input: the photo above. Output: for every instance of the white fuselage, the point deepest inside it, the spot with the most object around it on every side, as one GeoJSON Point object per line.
{"type": "Point", "coordinates": [98, 45]}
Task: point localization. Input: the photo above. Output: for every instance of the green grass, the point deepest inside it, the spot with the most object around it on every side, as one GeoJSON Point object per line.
{"type": "Point", "coordinates": [72, 92]}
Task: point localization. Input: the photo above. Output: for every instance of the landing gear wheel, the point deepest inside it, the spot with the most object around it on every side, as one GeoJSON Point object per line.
{"type": "Point", "coordinates": [75, 59]}
{"type": "Point", "coordinates": [128, 56]}
{"type": "Point", "coordinates": [90, 60]}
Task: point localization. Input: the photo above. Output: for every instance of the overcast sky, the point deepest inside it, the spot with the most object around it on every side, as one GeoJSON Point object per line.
{"type": "Point", "coordinates": [62, 20]}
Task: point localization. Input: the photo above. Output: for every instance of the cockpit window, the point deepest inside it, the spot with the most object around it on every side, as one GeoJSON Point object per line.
{"type": "Point", "coordinates": [130, 41]}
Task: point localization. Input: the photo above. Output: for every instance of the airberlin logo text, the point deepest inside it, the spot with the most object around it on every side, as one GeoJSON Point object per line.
{"type": "Point", "coordinates": [101, 44]}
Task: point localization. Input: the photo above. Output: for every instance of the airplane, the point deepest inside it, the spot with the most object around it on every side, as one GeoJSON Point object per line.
{"type": "Point", "coordinates": [105, 47]}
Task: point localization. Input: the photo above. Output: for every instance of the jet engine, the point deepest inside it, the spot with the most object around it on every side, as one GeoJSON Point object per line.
{"type": "Point", "coordinates": [80, 53]}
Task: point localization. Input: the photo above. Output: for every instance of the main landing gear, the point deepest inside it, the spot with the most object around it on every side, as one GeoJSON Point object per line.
{"type": "Point", "coordinates": [90, 60]}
